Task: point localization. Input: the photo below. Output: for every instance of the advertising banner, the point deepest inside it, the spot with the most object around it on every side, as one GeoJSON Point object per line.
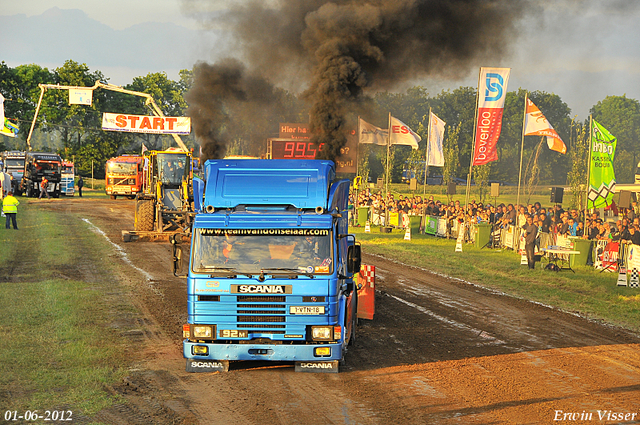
{"type": "Point", "coordinates": [401, 134]}
{"type": "Point", "coordinates": [431, 225]}
{"type": "Point", "coordinates": [146, 124]}
{"type": "Point", "coordinates": [369, 133]}
{"type": "Point", "coordinates": [492, 91]}
{"type": "Point", "coordinates": [602, 179]}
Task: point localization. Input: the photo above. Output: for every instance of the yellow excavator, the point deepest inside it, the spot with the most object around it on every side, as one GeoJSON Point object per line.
{"type": "Point", "coordinates": [165, 205]}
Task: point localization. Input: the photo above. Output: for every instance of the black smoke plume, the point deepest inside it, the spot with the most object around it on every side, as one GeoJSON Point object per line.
{"type": "Point", "coordinates": [227, 103]}
{"type": "Point", "coordinates": [334, 51]}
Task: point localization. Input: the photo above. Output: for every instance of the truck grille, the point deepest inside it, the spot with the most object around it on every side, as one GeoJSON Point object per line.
{"type": "Point", "coordinates": [254, 306]}
{"type": "Point", "coordinates": [260, 299]}
{"type": "Point", "coordinates": [262, 327]}
{"type": "Point", "coordinates": [263, 319]}
{"type": "Point", "coordinates": [258, 313]}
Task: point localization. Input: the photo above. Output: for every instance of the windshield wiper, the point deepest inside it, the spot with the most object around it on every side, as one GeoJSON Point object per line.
{"type": "Point", "coordinates": [226, 271]}
{"type": "Point", "coordinates": [284, 271]}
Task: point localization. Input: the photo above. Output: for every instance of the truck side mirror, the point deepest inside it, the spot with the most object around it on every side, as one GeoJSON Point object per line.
{"type": "Point", "coordinates": [178, 262]}
{"type": "Point", "coordinates": [354, 259]}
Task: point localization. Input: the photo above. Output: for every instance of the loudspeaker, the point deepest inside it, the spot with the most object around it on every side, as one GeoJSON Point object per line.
{"type": "Point", "coordinates": [495, 190]}
{"type": "Point", "coordinates": [451, 188]}
{"type": "Point", "coordinates": [556, 195]}
{"type": "Point", "coordinates": [625, 199]}
{"type": "Point", "coordinates": [380, 182]}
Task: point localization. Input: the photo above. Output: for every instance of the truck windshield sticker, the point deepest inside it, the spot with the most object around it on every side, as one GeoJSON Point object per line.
{"type": "Point", "coordinates": [47, 158]}
{"type": "Point", "coordinates": [252, 250]}
{"type": "Point", "coordinates": [265, 232]}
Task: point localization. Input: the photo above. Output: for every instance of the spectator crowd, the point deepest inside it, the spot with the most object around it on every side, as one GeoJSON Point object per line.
{"type": "Point", "coordinates": [552, 221]}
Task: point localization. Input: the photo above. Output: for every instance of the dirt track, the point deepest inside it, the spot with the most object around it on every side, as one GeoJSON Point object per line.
{"type": "Point", "coordinates": [439, 351]}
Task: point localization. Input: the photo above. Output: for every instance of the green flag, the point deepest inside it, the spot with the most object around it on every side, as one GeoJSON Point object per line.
{"type": "Point", "coordinates": [602, 179]}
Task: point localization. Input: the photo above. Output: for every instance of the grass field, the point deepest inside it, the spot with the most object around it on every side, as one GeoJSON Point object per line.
{"type": "Point", "coordinates": [587, 291]}
{"type": "Point", "coordinates": [56, 306]}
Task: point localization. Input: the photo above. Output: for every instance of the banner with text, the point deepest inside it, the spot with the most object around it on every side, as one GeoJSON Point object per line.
{"type": "Point", "coordinates": [146, 124]}
{"type": "Point", "coordinates": [369, 133]}
{"type": "Point", "coordinates": [401, 134]}
{"type": "Point", "coordinates": [492, 91]}
{"type": "Point", "coordinates": [602, 178]}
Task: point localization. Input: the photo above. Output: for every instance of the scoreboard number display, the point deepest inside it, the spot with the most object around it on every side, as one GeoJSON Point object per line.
{"type": "Point", "coordinates": [294, 149]}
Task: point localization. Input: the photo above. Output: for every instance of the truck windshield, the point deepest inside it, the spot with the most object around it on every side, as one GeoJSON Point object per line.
{"type": "Point", "coordinates": [171, 167]}
{"type": "Point", "coordinates": [14, 163]}
{"type": "Point", "coordinates": [253, 250]}
{"type": "Point", "coordinates": [122, 168]}
{"type": "Point", "coordinates": [48, 166]}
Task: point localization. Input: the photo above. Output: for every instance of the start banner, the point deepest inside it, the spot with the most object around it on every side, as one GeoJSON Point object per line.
{"type": "Point", "coordinates": [146, 124]}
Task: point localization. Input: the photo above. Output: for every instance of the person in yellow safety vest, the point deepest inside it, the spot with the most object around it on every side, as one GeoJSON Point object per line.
{"type": "Point", "coordinates": [10, 209]}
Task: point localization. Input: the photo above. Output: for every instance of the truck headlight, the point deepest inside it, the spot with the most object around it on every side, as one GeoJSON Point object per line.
{"type": "Point", "coordinates": [322, 333]}
{"type": "Point", "coordinates": [202, 331]}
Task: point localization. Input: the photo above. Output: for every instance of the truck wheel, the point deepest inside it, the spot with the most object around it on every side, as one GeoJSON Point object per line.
{"type": "Point", "coordinates": [145, 215]}
{"type": "Point", "coordinates": [113, 196]}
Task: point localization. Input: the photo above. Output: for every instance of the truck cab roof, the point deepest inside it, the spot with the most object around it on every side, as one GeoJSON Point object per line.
{"type": "Point", "coordinates": [300, 183]}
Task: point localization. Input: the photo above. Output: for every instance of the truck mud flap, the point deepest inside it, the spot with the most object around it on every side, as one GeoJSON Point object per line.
{"type": "Point", "coordinates": [317, 367]}
{"type": "Point", "coordinates": [207, 365]}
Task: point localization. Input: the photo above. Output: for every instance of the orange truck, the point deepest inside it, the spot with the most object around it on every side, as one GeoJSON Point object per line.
{"type": "Point", "coordinates": [123, 176]}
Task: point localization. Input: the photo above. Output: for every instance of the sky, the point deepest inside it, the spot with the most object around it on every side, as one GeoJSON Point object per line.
{"type": "Point", "coordinates": [581, 50]}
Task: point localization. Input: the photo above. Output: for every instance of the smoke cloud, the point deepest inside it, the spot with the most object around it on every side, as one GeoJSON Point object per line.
{"type": "Point", "coordinates": [336, 51]}
{"type": "Point", "coordinates": [227, 102]}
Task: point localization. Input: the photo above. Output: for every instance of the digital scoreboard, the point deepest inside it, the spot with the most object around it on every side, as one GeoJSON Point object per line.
{"type": "Point", "coordinates": [295, 143]}
{"type": "Point", "coordinates": [294, 149]}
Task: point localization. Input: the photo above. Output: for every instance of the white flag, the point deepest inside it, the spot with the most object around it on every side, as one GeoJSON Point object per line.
{"type": "Point", "coordinates": [369, 133]}
{"type": "Point", "coordinates": [435, 151]}
{"type": "Point", "coordinates": [401, 134]}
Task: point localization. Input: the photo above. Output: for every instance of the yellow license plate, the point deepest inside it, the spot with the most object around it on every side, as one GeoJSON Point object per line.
{"type": "Point", "coordinates": [306, 310]}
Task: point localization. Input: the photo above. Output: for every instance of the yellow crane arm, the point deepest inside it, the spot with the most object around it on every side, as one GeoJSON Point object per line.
{"type": "Point", "coordinates": [149, 102]}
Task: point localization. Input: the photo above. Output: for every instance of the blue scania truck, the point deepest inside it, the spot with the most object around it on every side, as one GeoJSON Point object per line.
{"type": "Point", "coordinates": [271, 266]}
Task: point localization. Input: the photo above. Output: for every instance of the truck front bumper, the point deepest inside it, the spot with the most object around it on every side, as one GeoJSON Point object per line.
{"type": "Point", "coordinates": [263, 352]}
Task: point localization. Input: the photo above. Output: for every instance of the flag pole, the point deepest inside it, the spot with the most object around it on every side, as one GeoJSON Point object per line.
{"type": "Point", "coordinates": [386, 183]}
{"type": "Point", "coordinates": [586, 200]}
{"type": "Point", "coordinates": [357, 166]}
{"type": "Point", "coordinates": [524, 121]}
{"type": "Point", "coordinates": [426, 162]}
{"type": "Point", "coordinates": [386, 186]}
{"type": "Point", "coordinates": [473, 147]}
{"type": "Point", "coordinates": [358, 147]}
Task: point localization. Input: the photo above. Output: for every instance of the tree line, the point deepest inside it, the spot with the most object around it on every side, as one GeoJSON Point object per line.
{"type": "Point", "coordinates": [75, 132]}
